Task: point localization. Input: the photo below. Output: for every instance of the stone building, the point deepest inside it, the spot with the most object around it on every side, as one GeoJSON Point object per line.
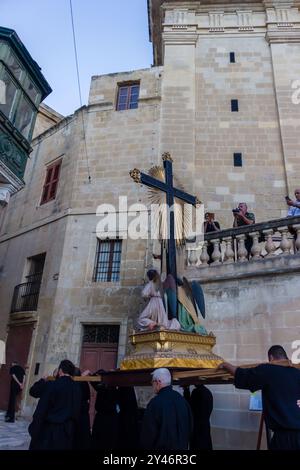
{"type": "Point", "coordinates": [222, 98]}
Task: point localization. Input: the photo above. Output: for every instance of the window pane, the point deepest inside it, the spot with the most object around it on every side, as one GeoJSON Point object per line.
{"type": "Point", "coordinates": [8, 93]}
{"type": "Point", "coordinates": [45, 195]}
{"type": "Point", "coordinates": [122, 107]}
{"type": "Point", "coordinates": [135, 90]}
{"type": "Point", "coordinates": [123, 91]}
{"type": "Point", "coordinates": [134, 105]}
{"type": "Point", "coordinates": [122, 100]}
{"type": "Point", "coordinates": [56, 172]}
{"type": "Point", "coordinates": [53, 190]}
{"type": "Point", "coordinates": [49, 175]}
{"type": "Point", "coordinates": [24, 116]}
{"type": "Point", "coordinates": [3, 50]}
{"type": "Point", "coordinates": [14, 65]}
{"type": "Point", "coordinates": [89, 334]}
{"type": "Point", "coordinates": [32, 91]}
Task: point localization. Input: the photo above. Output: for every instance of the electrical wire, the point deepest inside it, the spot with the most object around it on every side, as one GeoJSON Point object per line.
{"type": "Point", "coordinates": [79, 90]}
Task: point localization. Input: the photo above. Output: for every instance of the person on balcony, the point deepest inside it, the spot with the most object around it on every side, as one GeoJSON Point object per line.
{"type": "Point", "coordinates": [210, 225]}
{"type": "Point", "coordinates": [243, 217]}
{"type": "Point", "coordinates": [294, 206]}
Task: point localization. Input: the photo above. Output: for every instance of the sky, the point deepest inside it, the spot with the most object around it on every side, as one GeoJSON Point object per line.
{"type": "Point", "coordinates": [111, 36]}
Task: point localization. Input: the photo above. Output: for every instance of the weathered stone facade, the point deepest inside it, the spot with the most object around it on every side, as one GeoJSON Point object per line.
{"type": "Point", "coordinates": [184, 108]}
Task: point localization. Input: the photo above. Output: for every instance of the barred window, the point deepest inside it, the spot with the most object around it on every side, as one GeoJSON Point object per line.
{"type": "Point", "coordinates": [128, 96]}
{"type": "Point", "coordinates": [101, 334]}
{"type": "Point", "coordinates": [108, 261]}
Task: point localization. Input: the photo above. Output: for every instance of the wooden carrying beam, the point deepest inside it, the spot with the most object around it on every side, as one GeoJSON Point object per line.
{"type": "Point", "coordinates": [182, 377]}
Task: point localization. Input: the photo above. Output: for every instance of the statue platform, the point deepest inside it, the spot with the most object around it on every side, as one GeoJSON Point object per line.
{"type": "Point", "coordinates": [169, 348]}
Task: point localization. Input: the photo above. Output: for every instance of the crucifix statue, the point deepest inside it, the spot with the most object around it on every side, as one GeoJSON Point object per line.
{"type": "Point", "coordinates": [171, 193]}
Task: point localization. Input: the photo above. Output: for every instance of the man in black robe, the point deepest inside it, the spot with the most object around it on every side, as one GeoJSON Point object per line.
{"type": "Point", "coordinates": [201, 402]}
{"type": "Point", "coordinates": [82, 437]}
{"type": "Point", "coordinates": [168, 421]}
{"type": "Point", "coordinates": [57, 413]}
{"type": "Point", "coordinates": [280, 386]}
{"type": "Point", "coordinates": [128, 419]}
{"type": "Point", "coordinates": [105, 427]}
{"type": "Point", "coordinates": [17, 374]}
{"type": "Point", "coordinates": [37, 389]}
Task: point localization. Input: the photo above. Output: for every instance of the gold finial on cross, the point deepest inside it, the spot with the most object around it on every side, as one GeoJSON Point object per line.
{"type": "Point", "coordinates": [135, 175]}
{"type": "Point", "coordinates": [167, 156]}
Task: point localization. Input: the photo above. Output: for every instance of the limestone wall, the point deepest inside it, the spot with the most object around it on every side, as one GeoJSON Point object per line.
{"type": "Point", "coordinates": [46, 118]}
{"type": "Point", "coordinates": [253, 131]}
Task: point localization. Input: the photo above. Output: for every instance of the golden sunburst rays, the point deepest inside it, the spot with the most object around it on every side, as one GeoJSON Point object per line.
{"type": "Point", "coordinates": [159, 211]}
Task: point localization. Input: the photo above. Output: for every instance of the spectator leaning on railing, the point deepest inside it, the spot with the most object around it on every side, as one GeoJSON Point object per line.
{"type": "Point", "coordinates": [294, 209]}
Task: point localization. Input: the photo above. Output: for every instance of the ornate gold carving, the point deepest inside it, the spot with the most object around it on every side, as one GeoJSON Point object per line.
{"type": "Point", "coordinates": [132, 363]}
{"type": "Point", "coordinates": [165, 348]}
{"type": "Point", "coordinates": [135, 175]}
{"type": "Point", "coordinates": [167, 157]}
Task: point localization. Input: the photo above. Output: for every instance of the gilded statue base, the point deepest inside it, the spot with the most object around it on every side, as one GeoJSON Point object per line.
{"type": "Point", "coordinates": [167, 348]}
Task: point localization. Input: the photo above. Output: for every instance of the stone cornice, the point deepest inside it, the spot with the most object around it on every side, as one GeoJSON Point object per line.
{"type": "Point", "coordinates": [180, 34]}
{"type": "Point", "coordinates": [283, 36]}
{"type": "Point", "coordinates": [189, 12]}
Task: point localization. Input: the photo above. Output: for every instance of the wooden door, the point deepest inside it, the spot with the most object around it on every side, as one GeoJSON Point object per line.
{"type": "Point", "coordinates": [95, 356]}
{"type": "Point", "coordinates": [17, 349]}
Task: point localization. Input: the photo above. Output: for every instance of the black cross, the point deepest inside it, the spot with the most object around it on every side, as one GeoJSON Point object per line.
{"type": "Point", "coordinates": [171, 194]}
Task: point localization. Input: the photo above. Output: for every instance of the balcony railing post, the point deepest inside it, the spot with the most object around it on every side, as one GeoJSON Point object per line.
{"type": "Point", "coordinates": [193, 258]}
{"type": "Point", "coordinates": [285, 244]}
{"type": "Point", "coordinates": [255, 250]}
{"type": "Point", "coordinates": [204, 258]}
{"type": "Point", "coordinates": [270, 245]}
{"type": "Point", "coordinates": [216, 255]}
{"type": "Point", "coordinates": [297, 242]}
{"type": "Point", "coordinates": [242, 252]}
{"type": "Point", "coordinates": [229, 253]}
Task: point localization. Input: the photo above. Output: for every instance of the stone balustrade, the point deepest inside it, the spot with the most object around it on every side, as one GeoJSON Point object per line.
{"type": "Point", "coordinates": [280, 237]}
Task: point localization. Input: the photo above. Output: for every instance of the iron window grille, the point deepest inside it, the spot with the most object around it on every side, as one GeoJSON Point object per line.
{"type": "Point", "coordinates": [101, 334]}
{"type": "Point", "coordinates": [108, 261]}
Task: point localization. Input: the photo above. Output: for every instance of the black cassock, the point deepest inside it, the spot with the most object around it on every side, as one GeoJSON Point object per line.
{"type": "Point", "coordinates": [38, 388]}
{"type": "Point", "coordinates": [128, 419]}
{"type": "Point", "coordinates": [56, 416]}
{"type": "Point", "coordinates": [201, 402]}
{"type": "Point", "coordinates": [167, 423]}
{"type": "Point", "coordinates": [82, 438]}
{"type": "Point", "coordinates": [105, 427]}
{"type": "Point", "coordinates": [280, 387]}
